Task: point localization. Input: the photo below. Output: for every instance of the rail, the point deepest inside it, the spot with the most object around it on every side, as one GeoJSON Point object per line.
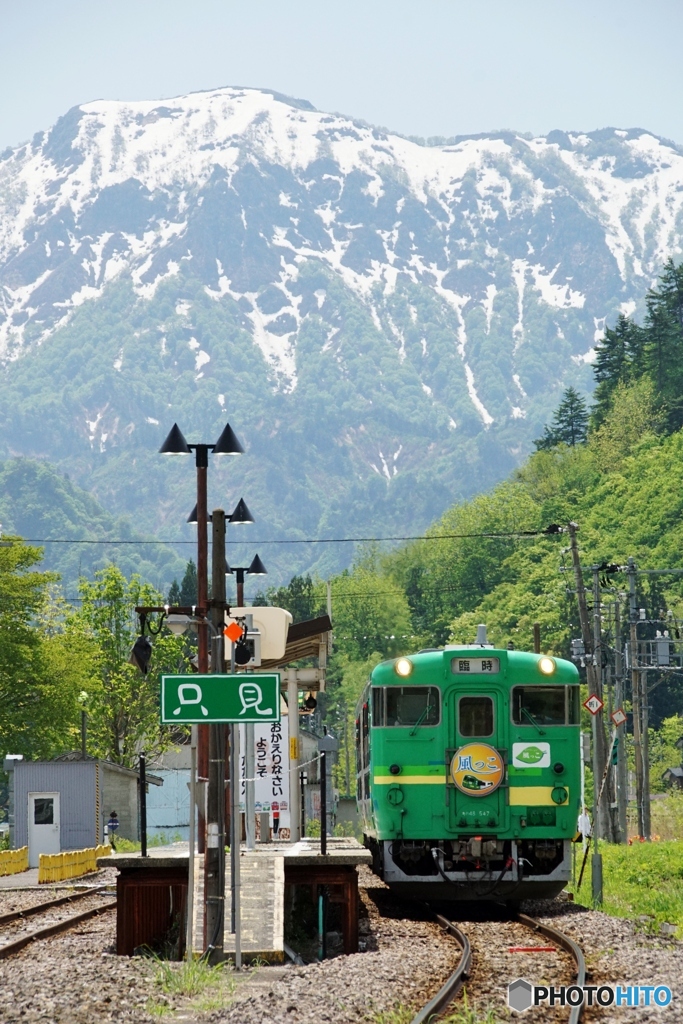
{"type": "Point", "coordinates": [16, 945]}
{"type": "Point", "coordinates": [569, 946]}
{"type": "Point", "coordinates": [452, 986]}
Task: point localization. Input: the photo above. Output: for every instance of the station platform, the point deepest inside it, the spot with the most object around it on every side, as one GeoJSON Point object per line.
{"type": "Point", "coordinates": [264, 874]}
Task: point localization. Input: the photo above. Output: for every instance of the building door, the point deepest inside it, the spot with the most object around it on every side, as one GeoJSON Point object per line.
{"type": "Point", "coordinates": [43, 826]}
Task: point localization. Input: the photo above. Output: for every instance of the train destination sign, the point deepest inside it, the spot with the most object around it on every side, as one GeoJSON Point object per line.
{"type": "Point", "coordinates": [198, 699]}
{"type": "Point", "coordinates": [475, 666]}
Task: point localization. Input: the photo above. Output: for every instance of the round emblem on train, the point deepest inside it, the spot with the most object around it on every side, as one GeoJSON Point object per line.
{"type": "Point", "coordinates": [477, 769]}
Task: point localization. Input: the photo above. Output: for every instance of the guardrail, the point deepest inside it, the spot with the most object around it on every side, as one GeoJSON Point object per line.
{"type": "Point", "coordinates": [56, 867]}
{"type": "Point", "coordinates": [14, 861]}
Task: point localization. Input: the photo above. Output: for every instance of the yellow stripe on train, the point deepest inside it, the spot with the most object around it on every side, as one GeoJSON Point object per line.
{"type": "Point", "coordinates": [533, 796]}
{"type": "Point", "coordinates": [410, 780]}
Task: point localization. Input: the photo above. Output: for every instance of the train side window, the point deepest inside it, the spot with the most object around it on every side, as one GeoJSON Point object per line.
{"type": "Point", "coordinates": [412, 705]}
{"type": "Point", "coordinates": [573, 705]}
{"type": "Point", "coordinates": [542, 705]}
{"type": "Point", "coordinates": [364, 731]}
{"type": "Point", "coordinates": [378, 706]}
{"type": "Point", "coordinates": [475, 716]}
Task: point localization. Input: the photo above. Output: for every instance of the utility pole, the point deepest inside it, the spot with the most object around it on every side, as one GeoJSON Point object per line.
{"type": "Point", "coordinates": [645, 740]}
{"type": "Point", "coordinates": [599, 738]}
{"type": "Point", "coordinates": [635, 686]}
{"type": "Point", "coordinates": [594, 687]}
{"type": "Point", "coordinates": [592, 672]}
{"type": "Point", "coordinates": [622, 761]}
{"type": "Point", "coordinates": [214, 860]}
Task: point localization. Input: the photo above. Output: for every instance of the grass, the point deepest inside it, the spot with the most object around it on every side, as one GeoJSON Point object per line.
{"type": "Point", "coordinates": [130, 846]}
{"type": "Point", "coordinates": [462, 1013]}
{"type": "Point", "coordinates": [667, 816]}
{"type": "Point", "coordinates": [645, 879]}
{"type": "Point", "coordinates": [206, 987]}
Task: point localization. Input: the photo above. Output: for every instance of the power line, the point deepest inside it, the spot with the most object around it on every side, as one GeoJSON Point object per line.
{"type": "Point", "coordinates": [307, 540]}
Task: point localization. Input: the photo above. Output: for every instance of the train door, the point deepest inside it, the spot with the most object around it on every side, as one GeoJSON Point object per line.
{"type": "Point", "coordinates": [477, 764]}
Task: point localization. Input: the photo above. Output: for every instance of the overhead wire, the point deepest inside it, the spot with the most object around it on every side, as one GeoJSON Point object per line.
{"type": "Point", "coordinates": [293, 540]}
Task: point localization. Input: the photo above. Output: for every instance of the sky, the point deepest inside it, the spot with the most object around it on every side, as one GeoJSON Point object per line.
{"type": "Point", "coordinates": [419, 67]}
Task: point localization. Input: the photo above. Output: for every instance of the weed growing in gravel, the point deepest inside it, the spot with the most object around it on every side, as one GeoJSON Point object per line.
{"type": "Point", "coordinates": [398, 1014]}
{"type": "Point", "coordinates": [644, 880]}
{"type": "Point", "coordinates": [466, 1014]}
{"type": "Point", "coordinates": [462, 1014]}
{"type": "Point", "coordinates": [208, 987]}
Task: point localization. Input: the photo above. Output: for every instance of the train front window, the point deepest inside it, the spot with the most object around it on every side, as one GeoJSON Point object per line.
{"type": "Point", "coordinates": [410, 705]}
{"type": "Point", "coordinates": [545, 705]}
{"type": "Point", "coordinates": [475, 716]}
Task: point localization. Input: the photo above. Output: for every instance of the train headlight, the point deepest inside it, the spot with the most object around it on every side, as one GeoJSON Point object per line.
{"type": "Point", "coordinates": [547, 666]}
{"type": "Point", "coordinates": [403, 667]}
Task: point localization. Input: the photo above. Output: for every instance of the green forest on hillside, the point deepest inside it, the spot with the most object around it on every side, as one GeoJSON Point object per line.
{"type": "Point", "coordinates": [488, 560]}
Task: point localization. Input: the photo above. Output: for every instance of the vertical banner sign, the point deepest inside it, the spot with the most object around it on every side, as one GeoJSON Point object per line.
{"type": "Point", "coordinates": [271, 769]}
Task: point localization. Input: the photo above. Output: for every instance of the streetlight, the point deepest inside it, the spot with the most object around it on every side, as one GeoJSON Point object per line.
{"type": "Point", "coordinates": [257, 568]}
{"type": "Point", "coordinates": [240, 517]}
{"type": "Point", "coordinates": [227, 444]}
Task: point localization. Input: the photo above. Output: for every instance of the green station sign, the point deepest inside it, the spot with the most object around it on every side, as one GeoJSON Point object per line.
{"type": "Point", "coordinates": [198, 699]}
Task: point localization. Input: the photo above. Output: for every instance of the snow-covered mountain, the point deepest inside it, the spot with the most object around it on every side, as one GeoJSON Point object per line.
{"type": "Point", "coordinates": [409, 310]}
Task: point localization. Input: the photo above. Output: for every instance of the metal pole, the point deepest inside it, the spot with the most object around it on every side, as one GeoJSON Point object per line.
{"type": "Point", "coordinates": [202, 465]}
{"type": "Point", "coordinates": [250, 785]}
{"type": "Point", "coordinates": [214, 859]}
{"type": "Point", "coordinates": [236, 840]}
{"type": "Point", "coordinates": [293, 717]}
{"type": "Point", "coordinates": [189, 934]}
{"type": "Point", "coordinates": [234, 786]}
{"type": "Point", "coordinates": [143, 807]}
{"type": "Point", "coordinates": [302, 776]}
{"type": "Point", "coordinates": [537, 637]}
{"type": "Point", "coordinates": [240, 587]}
{"type": "Point", "coordinates": [83, 735]}
{"type": "Point", "coordinates": [323, 803]}
{"type": "Point", "coordinates": [635, 687]}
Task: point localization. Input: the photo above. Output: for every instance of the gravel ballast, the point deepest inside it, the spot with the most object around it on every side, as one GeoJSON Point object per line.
{"type": "Point", "coordinates": [76, 978]}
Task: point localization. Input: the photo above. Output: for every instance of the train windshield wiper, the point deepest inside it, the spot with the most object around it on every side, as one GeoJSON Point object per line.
{"type": "Point", "coordinates": [420, 720]}
{"type": "Point", "coordinates": [533, 721]}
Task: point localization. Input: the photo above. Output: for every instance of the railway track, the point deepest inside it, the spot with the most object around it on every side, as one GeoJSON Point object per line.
{"type": "Point", "coordinates": [52, 918]}
{"type": "Point", "coordinates": [449, 991]}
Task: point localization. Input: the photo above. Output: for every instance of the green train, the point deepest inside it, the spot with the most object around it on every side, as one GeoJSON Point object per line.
{"type": "Point", "coordinates": [468, 772]}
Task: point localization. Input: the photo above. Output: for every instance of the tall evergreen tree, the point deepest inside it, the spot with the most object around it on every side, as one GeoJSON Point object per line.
{"type": "Point", "coordinates": [570, 423]}
{"type": "Point", "coordinates": [188, 587]}
{"type": "Point", "coordinates": [618, 358]}
{"type": "Point", "coordinates": [664, 343]}
{"type": "Point", "coordinates": [173, 595]}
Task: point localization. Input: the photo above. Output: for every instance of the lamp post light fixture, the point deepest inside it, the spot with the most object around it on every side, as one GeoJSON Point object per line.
{"type": "Point", "coordinates": [227, 444]}
{"type": "Point", "coordinates": [240, 517]}
{"type": "Point", "coordinates": [256, 568]}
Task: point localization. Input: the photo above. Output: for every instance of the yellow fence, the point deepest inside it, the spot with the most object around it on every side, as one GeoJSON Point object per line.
{"type": "Point", "coordinates": [56, 867]}
{"type": "Point", "coordinates": [14, 861]}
